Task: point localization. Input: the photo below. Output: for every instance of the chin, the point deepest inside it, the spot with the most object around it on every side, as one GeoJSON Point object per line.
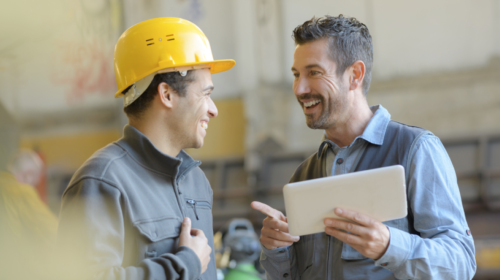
{"type": "Point", "coordinates": [198, 144]}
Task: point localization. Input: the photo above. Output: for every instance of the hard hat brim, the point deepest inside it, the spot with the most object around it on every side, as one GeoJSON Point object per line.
{"type": "Point", "coordinates": [216, 66]}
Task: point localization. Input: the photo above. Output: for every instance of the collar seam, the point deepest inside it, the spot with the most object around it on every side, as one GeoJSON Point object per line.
{"type": "Point", "coordinates": [142, 165]}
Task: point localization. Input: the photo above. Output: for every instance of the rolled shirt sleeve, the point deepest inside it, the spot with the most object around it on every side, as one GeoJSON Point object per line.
{"type": "Point", "coordinates": [444, 248]}
{"type": "Point", "coordinates": [279, 263]}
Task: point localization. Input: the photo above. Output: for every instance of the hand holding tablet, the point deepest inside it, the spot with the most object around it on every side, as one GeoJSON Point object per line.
{"type": "Point", "coordinates": [349, 207]}
{"type": "Point", "coordinates": [378, 193]}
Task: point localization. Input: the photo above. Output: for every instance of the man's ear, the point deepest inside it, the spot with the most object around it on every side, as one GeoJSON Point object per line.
{"type": "Point", "coordinates": [168, 96]}
{"type": "Point", "coordinates": [357, 74]}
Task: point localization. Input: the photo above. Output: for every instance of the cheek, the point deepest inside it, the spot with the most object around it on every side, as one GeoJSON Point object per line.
{"type": "Point", "coordinates": [330, 83]}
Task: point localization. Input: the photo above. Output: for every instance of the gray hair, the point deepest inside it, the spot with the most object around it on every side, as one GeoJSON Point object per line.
{"type": "Point", "coordinates": [349, 41]}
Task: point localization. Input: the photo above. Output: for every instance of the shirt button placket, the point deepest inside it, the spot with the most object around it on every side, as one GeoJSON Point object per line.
{"type": "Point", "coordinates": [340, 161]}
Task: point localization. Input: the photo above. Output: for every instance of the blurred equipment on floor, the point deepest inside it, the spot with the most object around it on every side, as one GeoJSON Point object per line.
{"type": "Point", "coordinates": [237, 249]}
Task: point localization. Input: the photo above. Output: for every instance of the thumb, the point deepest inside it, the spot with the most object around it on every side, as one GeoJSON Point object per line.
{"type": "Point", "coordinates": [186, 228]}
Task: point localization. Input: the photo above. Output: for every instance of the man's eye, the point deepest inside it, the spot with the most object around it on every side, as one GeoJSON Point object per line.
{"type": "Point", "coordinates": [296, 75]}
{"type": "Point", "coordinates": [314, 73]}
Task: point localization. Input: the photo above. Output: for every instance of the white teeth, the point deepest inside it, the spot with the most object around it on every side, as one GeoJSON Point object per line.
{"type": "Point", "coordinates": [204, 125]}
{"type": "Point", "coordinates": [311, 103]}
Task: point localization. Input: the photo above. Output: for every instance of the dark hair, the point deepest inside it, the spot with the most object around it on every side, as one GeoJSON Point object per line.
{"type": "Point", "coordinates": [349, 41]}
{"type": "Point", "coordinates": [173, 79]}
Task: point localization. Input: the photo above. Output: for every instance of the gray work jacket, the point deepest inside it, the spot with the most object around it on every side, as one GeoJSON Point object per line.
{"type": "Point", "coordinates": [122, 212]}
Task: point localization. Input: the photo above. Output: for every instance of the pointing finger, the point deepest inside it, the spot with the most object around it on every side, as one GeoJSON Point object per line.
{"type": "Point", "coordinates": [273, 223]}
{"type": "Point", "coordinates": [268, 210]}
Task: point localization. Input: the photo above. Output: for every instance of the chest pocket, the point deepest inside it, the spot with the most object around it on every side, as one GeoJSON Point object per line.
{"type": "Point", "coordinates": [349, 253]}
{"type": "Point", "coordinates": [160, 236]}
{"type": "Point", "coordinates": [198, 207]}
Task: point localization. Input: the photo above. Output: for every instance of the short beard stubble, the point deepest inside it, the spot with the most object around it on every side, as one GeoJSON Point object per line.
{"type": "Point", "coordinates": [326, 118]}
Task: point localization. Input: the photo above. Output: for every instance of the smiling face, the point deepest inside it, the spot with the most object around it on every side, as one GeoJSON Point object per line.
{"type": "Point", "coordinates": [194, 110]}
{"type": "Point", "coordinates": [323, 95]}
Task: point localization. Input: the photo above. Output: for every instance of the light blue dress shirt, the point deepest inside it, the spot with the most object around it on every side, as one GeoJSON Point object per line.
{"type": "Point", "coordinates": [444, 249]}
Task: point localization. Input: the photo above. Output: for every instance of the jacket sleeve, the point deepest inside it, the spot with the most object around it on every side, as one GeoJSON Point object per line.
{"type": "Point", "coordinates": [445, 248]}
{"type": "Point", "coordinates": [279, 263]}
{"type": "Point", "coordinates": [91, 239]}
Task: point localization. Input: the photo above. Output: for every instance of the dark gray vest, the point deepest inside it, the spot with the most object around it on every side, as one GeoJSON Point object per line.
{"type": "Point", "coordinates": [313, 252]}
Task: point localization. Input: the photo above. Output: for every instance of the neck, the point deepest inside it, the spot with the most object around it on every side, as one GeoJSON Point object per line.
{"type": "Point", "coordinates": [352, 124]}
{"type": "Point", "coordinates": [154, 130]}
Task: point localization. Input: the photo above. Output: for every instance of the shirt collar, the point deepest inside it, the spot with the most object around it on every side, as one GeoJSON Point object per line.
{"type": "Point", "coordinates": [146, 154]}
{"type": "Point", "coordinates": [374, 131]}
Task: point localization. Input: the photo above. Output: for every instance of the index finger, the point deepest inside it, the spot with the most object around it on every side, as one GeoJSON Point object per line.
{"type": "Point", "coordinates": [267, 210]}
{"type": "Point", "coordinates": [355, 216]}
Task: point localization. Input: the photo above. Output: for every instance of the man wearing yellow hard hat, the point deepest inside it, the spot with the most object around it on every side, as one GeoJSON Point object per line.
{"type": "Point", "coordinates": [140, 208]}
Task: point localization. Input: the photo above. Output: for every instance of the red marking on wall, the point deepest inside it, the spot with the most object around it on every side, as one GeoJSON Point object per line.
{"type": "Point", "coordinates": [85, 68]}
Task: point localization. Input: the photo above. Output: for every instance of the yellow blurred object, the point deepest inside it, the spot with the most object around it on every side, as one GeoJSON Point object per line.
{"type": "Point", "coordinates": [227, 132]}
{"type": "Point", "coordinates": [27, 231]}
{"type": "Point", "coordinates": [162, 45]}
{"type": "Point", "coordinates": [488, 258]}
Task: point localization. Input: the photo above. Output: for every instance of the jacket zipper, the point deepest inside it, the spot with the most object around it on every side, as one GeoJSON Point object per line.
{"type": "Point", "coordinates": [199, 203]}
{"type": "Point", "coordinates": [192, 202]}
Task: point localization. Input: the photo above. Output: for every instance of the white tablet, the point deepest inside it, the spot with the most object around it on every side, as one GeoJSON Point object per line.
{"type": "Point", "coordinates": [379, 193]}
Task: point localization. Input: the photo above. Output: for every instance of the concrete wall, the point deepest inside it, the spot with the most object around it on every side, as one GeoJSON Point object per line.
{"type": "Point", "coordinates": [434, 63]}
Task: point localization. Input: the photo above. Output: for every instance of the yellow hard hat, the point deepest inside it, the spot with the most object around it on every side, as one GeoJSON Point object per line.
{"type": "Point", "coordinates": [162, 45]}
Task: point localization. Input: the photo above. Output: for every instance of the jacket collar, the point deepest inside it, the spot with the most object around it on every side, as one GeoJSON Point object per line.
{"type": "Point", "coordinates": [374, 132]}
{"type": "Point", "coordinates": [140, 148]}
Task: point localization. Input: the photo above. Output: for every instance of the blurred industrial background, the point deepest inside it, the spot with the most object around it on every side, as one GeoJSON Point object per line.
{"type": "Point", "coordinates": [436, 65]}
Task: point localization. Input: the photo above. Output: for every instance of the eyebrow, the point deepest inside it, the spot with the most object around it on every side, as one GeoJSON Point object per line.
{"type": "Point", "coordinates": [309, 67]}
{"type": "Point", "coordinates": [208, 88]}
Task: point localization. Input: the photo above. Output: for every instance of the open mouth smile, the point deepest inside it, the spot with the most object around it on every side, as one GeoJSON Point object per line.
{"type": "Point", "coordinates": [311, 104]}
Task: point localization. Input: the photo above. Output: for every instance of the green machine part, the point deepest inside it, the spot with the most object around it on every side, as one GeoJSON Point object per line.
{"type": "Point", "coordinates": [243, 271]}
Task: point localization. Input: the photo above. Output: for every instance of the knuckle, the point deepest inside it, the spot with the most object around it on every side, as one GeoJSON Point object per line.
{"type": "Point", "coordinates": [371, 235]}
{"type": "Point", "coordinates": [357, 218]}
{"type": "Point", "coordinates": [349, 227]}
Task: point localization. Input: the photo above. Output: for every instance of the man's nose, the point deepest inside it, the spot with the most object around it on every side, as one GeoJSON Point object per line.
{"type": "Point", "coordinates": [301, 86]}
{"type": "Point", "coordinates": [212, 109]}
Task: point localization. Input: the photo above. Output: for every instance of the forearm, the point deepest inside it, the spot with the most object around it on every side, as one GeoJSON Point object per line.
{"type": "Point", "coordinates": [444, 248]}
{"type": "Point", "coordinates": [180, 265]}
{"type": "Point", "coordinates": [449, 255]}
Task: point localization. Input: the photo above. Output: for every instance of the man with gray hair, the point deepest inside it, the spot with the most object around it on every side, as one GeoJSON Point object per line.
{"type": "Point", "coordinates": [332, 69]}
